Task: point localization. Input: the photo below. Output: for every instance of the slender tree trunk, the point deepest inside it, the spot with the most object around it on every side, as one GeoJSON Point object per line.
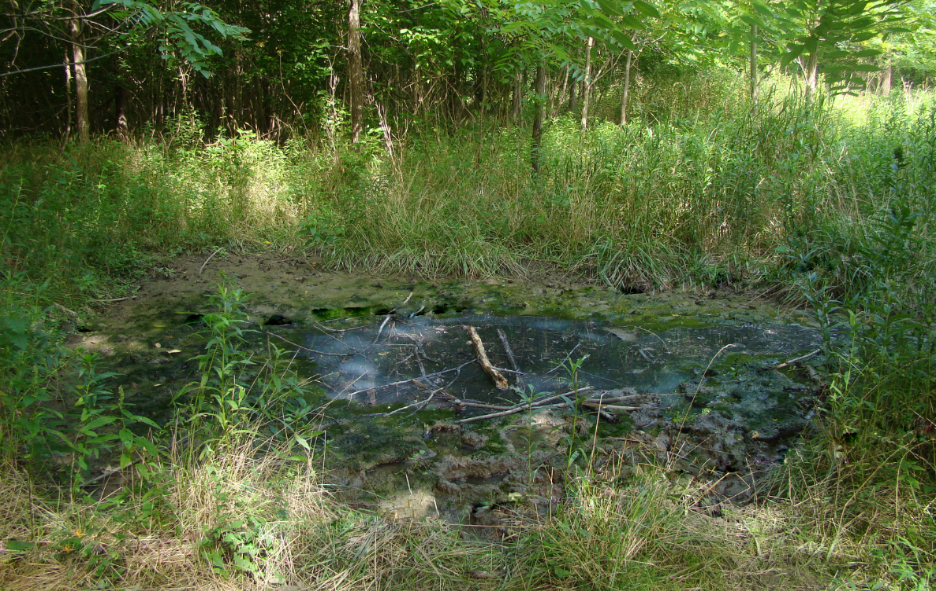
{"type": "Point", "coordinates": [754, 64]}
{"type": "Point", "coordinates": [812, 75]}
{"type": "Point", "coordinates": [120, 118]}
{"type": "Point", "coordinates": [538, 116]}
{"type": "Point", "coordinates": [355, 75]}
{"type": "Point", "coordinates": [572, 96]}
{"type": "Point", "coordinates": [565, 87]}
{"type": "Point", "coordinates": [586, 89]}
{"type": "Point", "coordinates": [81, 82]}
{"type": "Point", "coordinates": [627, 71]}
{"type": "Point", "coordinates": [517, 97]}
{"type": "Point", "coordinates": [886, 81]}
{"type": "Point", "coordinates": [68, 95]}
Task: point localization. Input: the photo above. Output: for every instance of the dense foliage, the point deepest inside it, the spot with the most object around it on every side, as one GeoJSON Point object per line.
{"type": "Point", "coordinates": [282, 69]}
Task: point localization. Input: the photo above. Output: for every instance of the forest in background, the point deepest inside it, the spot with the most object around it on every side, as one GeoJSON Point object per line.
{"type": "Point", "coordinates": [299, 70]}
{"type": "Point", "coordinates": [784, 148]}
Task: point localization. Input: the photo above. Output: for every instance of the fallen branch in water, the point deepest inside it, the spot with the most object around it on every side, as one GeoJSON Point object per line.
{"type": "Point", "coordinates": [538, 405]}
{"type": "Point", "coordinates": [417, 378]}
{"type": "Point", "coordinates": [797, 360]}
{"type": "Point", "coordinates": [506, 413]}
{"type": "Point", "coordinates": [508, 350]}
{"type": "Point", "coordinates": [458, 402]}
{"type": "Point", "coordinates": [499, 380]}
{"type": "Point", "coordinates": [287, 341]}
{"type": "Point", "coordinates": [597, 406]}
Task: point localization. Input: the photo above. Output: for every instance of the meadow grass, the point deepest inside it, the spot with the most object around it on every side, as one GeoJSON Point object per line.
{"type": "Point", "coordinates": [831, 201]}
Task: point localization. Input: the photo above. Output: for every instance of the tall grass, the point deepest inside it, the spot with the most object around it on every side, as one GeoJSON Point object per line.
{"type": "Point", "coordinates": [704, 197]}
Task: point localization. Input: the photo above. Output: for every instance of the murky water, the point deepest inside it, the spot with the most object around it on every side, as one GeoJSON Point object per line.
{"type": "Point", "coordinates": [403, 359]}
{"type": "Point", "coordinates": [701, 363]}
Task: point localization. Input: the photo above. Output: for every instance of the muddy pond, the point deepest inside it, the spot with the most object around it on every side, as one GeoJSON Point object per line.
{"type": "Point", "coordinates": [394, 385]}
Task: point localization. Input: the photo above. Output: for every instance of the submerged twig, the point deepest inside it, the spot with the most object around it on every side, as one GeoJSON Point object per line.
{"type": "Point", "coordinates": [538, 404]}
{"type": "Point", "coordinates": [797, 360]}
{"type": "Point", "coordinates": [598, 406]}
{"type": "Point", "coordinates": [508, 350]}
{"type": "Point", "coordinates": [380, 330]}
{"type": "Point", "coordinates": [287, 341]}
{"type": "Point", "coordinates": [401, 382]}
{"type": "Point", "coordinates": [566, 358]}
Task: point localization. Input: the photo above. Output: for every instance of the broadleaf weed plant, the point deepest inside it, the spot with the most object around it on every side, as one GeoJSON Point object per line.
{"type": "Point", "coordinates": [572, 370]}
{"type": "Point", "coordinates": [217, 395]}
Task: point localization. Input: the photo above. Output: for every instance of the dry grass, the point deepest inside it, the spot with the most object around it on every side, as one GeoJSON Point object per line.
{"type": "Point", "coordinates": [643, 532]}
{"type": "Point", "coordinates": [302, 537]}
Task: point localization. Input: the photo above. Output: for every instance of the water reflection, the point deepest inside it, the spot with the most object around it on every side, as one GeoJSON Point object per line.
{"type": "Point", "coordinates": [402, 359]}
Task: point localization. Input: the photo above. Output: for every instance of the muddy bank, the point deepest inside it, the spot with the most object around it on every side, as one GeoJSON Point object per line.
{"type": "Point", "coordinates": [386, 364]}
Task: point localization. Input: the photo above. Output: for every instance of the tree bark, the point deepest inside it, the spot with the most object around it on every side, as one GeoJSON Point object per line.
{"type": "Point", "coordinates": [120, 118]}
{"type": "Point", "coordinates": [586, 89]}
{"type": "Point", "coordinates": [81, 82]}
{"type": "Point", "coordinates": [517, 97]}
{"type": "Point", "coordinates": [538, 116]}
{"type": "Point", "coordinates": [887, 80]}
{"type": "Point", "coordinates": [355, 75]}
{"type": "Point", "coordinates": [754, 64]}
{"type": "Point", "coordinates": [68, 95]}
{"type": "Point", "coordinates": [812, 75]}
{"type": "Point", "coordinates": [562, 93]}
{"type": "Point", "coordinates": [572, 96]}
{"type": "Point", "coordinates": [627, 71]}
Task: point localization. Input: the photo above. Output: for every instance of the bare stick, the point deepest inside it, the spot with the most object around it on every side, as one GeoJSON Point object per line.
{"type": "Point", "coordinates": [598, 406]}
{"type": "Point", "coordinates": [539, 405]}
{"type": "Point", "coordinates": [287, 341]}
{"type": "Point", "coordinates": [380, 330]}
{"type": "Point", "coordinates": [612, 399]}
{"type": "Point", "coordinates": [499, 380]}
{"type": "Point", "coordinates": [401, 382]}
{"type": "Point", "coordinates": [510, 355]}
{"type": "Point", "coordinates": [505, 413]}
{"type": "Point", "coordinates": [797, 360]}
{"type": "Point", "coordinates": [415, 404]}
{"type": "Point", "coordinates": [217, 250]}
{"type": "Point", "coordinates": [558, 396]}
{"type": "Point", "coordinates": [480, 405]}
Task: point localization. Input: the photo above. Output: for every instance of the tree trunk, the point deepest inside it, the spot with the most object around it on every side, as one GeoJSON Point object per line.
{"type": "Point", "coordinates": [565, 87]}
{"type": "Point", "coordinates": [586, 89]}
{"type": "Point", "coordinates": [538, 116]}
{"type": "Point", "coordinates": [812, 74]}
{"type": "Point", "coordinates": [627, 71]}
{"type": "Point", "coordinates": [355, 75]}
{"type": "Point", "coordinates": [887, 80]}
{"type": "Point", "coordinates": [572, 97]}
{"type": "Point", "coordinates": [120, 118]}
{"type": "Point", "coordinates": [81, 82]}
{"type": "Point", "coordinates": [754, 64]}
{"type": "Point", "coordinates": [68, 95]}
{"type": "Point", "coordinates": [517, 97]}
